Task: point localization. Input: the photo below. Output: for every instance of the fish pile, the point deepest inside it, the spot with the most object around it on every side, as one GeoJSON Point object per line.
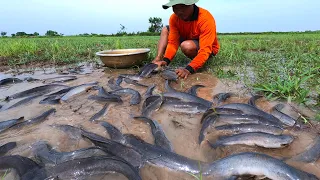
{"type": "Point", "coordinates": [246, 124]}
{"type": "Point", "coordinates": [250, 126]}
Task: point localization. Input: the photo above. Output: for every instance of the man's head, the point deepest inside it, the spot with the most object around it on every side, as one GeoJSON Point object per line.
{"type": "Point", "coordinates": [183, 11]}
{"type": "Point", "coordinates": [174, 2]}
{"type": "Point", "coordinates": [182, 8]}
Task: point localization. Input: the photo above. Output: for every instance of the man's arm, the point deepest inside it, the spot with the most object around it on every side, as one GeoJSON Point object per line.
{"type": "Point", "coordinates": [206, 39]}
{"type": "Point", "coordinates": [173, 40]}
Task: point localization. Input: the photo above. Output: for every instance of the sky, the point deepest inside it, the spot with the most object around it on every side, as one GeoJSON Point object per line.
{"type": "Point", "coordinates": [71, 17]}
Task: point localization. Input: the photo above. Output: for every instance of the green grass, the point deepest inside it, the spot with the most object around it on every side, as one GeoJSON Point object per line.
{"type": "Point", "coordinates": [282, 66]}
{"type": "Point", "coordinates": [4, 175]}
{"type": "Point", "coordinates": [199, 176]}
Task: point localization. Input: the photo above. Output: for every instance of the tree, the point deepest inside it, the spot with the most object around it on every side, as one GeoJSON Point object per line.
{"type": "Point", "coordinates": [13, 35]}
{"type": "Point", "coordinates": [52, 33]}
{"type": "Point", "coordinates": [3, 33]}
{"type": "Point", "coordinates": [35, 34]}
{"type": "Point", "coordinates": [21, 34]}
{"type": "Point", "coordinates": [156, 24]}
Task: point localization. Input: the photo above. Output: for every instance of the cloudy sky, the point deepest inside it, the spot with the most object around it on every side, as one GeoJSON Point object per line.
{"type": "Point", "coordinates": [105, 16]}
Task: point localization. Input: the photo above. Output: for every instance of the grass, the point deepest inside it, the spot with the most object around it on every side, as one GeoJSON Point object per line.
{"type": "Point", "coordinates": [4, 175]}
{"type": "Point", "coordinates": [281, 66]}
{"type": "Point", "coordinates": [197, 177]}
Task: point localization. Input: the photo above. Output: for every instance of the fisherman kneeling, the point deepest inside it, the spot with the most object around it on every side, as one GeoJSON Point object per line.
{"type": "Point", "coordinates": [194, 30]}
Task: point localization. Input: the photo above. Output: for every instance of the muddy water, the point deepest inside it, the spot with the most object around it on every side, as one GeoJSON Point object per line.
{"type": "Point", "coordinates": [181, 129]}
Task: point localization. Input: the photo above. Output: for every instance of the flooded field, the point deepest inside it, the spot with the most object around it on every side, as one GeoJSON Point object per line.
{"type": "Point", "coordinates": [181, 129]}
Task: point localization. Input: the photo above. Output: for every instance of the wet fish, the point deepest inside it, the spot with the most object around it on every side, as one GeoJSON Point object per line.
{"type": "Point", "coordinates": [119, 80]}
{"type": "Point", "coordinates": [40, 90]}
{"type": "Point", "coordinates": [248, 109]}
{"type": "Point", "coordinates": [99, 113]}
{"type": "Point", "coordinates": [260, 139]}
{"type": "Point", "coordinates": [135, 95]}
{"type": "Point", "coordinates": [114, 133]}
{"type": "Point", "coordinates": [155, 102]}
{"type": "Point", "coordinates": [183, 107]}
{"type": "Point", "coordinates": [106, 98]}
{"type": "Point", "coordinates": [219, 111]}
{"type": "Point", "coordinates": [206, 123]}
{"type": "Point", "coordinates": [311, 154]}
{"type": "Point", "coordinates": [61, 92]}
{"type": "Point", "coordinates": [252, 100]}
{"type": "Point", "coordinates": [60, 79]}
{"type": "Point", "coordinates": [284, 118]}
{"type": "Point", "coordinates": [221, 97]}
{"type": "Point", "coordinates": [237, 118]}
{"type": "Point", "coordinates": [168, 87]}
{"type": "Point", "coordinates": [24, 167]}
{"type": "Point", "coordinates": [7, 147]}
{"type": "Point", "coordinates": [35, 120]}
{"type": "Point", "coordinates": [147, 70]}
{"type": "Point", "coordinates": [31, 79]}
{"type": "Point", "coordinates": [24, 101]}
{"type": "Point", "coordinates": [112, 85]}
{"type": "Point", "coordinates": [78, 90]}
{"type": "Point", "coordinates": [4, 125]}
{"type": "Point", "coordinates": [43, 152]}
{"type": "Point", "coordinates": [92, 166]}
{"type": "Point", "coordinates": [127, 153]}
{"type": "Point", "coordinates": [162, 157]}
{"type": "Point", "coordinates": [245, 128]}
{"type": "Point", "coordinates": [188, 98]}
{"type": "Point", "coordinates": [254, 164]}
{"type": "Point", "coordinates": [153, 98]}
{"type": "Point", "coordinates": [51, 100]}
{"type": "Point", "coordinates": [149, 107]}
{"type": "Point", "coordinates": [233, 119]}
{"type": "Point", "coordinates": [160, 138]}
{"type": "Point", "coordinates": [102, 92]}
{"type": "Point", "coordinates": [149, 91]}
{"type": "Point", "coordinates": [134, 82]}
{"type": "Point", "coordinates": [169, 75]}
{"type": "Point", "coordinates": [135, 77]}
{"type": "Point", "coordinates": [7, 81]}
{"type": "Point", "coordinates": [73, 132]}
{"type": "Point", "coordinates": [193, 89]}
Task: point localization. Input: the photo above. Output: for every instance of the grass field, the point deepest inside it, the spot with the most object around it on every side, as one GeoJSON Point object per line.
{"type": "Point", "coordinates": [283, 66]}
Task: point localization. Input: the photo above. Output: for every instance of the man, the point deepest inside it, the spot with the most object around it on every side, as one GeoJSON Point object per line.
{"type": "Point", "coordinates": [194, 30]}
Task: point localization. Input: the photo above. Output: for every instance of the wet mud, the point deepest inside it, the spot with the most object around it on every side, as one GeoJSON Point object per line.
{"type": "Point", "coordinates": [181, 129]}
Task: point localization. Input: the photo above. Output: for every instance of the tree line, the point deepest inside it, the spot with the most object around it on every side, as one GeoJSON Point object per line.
{"type": "Point", "coordinates": [153, 30]}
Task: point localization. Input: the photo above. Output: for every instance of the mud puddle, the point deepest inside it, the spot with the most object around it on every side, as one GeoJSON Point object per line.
{"type": "Point", "coordinates": [180, 128]}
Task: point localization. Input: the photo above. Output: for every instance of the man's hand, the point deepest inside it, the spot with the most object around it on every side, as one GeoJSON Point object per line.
{"type": "Point", "coordinates": [158, 61]}
{"type": "Point", "coordinates": [182, 72]}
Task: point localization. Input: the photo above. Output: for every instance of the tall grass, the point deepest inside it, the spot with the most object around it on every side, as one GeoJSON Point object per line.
{"type": "Point", "coordinates": [284, 66]}
{"type": "Point", "coordinates": [280, 66]}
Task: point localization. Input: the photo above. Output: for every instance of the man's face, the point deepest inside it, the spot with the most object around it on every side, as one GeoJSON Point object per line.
{"type": "Point", "coordinates": [184, 12]}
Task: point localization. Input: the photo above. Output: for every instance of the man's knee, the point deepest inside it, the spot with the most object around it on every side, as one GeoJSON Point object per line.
{"type": "Point", "coordinates": [189, 48]}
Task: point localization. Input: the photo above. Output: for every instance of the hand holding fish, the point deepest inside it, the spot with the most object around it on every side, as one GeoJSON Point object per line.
{"type": "Point", "coordinates": [159, 63]}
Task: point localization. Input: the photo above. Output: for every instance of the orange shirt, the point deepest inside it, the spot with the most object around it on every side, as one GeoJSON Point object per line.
{"type": "Point", "coordinates": [202, 27]}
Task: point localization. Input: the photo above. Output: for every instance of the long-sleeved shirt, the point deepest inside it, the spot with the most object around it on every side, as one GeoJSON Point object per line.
{"type": "Point", "coordinates": [201, 27]}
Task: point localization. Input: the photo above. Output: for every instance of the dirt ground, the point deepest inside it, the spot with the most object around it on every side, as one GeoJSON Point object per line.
{"type": "Point", "coordinates": [78, 110]}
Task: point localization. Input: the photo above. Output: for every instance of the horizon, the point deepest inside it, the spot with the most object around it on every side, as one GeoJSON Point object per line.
{"type": "Point", "coordinates": [88, 17]}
